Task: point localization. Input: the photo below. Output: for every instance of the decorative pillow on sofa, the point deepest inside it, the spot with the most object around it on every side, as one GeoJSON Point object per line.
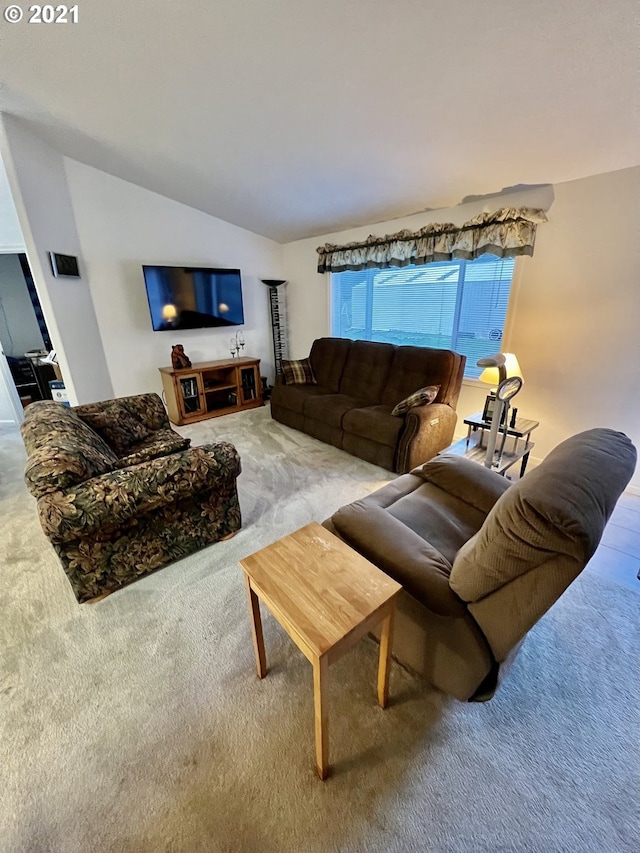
{"type": "Point", "coordinates": [118, 427]}
{"type": "Point", "coordinates": [298, 372]}
{"type": "Point", "coordinates": [419, 398]}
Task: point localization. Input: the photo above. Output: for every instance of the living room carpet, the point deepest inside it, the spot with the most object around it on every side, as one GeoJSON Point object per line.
{"type": "Point", "coordinates": [138, 725]}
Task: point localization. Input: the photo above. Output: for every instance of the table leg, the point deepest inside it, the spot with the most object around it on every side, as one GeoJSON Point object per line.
{"type": "Point", "coordinates": [386, 641]}
{"type": "Point", "coordinates": [523, 467]}
{"type": "Point", "coordinates": [320, 672]}
{"type": "Point", "coordinates": [256, 628]}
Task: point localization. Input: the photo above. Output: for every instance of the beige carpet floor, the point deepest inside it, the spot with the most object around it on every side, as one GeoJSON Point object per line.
{"type": "Point", "coordinates": [137, 725]}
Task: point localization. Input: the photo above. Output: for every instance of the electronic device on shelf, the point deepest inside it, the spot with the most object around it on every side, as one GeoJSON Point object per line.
{"type": "Point", "coordinates": [193, 297]}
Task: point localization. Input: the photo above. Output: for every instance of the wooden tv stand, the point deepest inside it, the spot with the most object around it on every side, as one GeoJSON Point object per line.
{"type": "Point", "coordinates": [211, 388]}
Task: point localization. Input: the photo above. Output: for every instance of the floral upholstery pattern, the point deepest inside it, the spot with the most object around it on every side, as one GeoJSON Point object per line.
{"type": "Point", "coordinates": [62, 449]}
{"type": "Point", "coordinates": [126, 421]}
{"type": "Point", "coordinates": [112, 519]}
{"type": "Point", "coordinates": [160, 443]}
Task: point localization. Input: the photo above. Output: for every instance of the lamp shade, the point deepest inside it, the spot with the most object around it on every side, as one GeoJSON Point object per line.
{"type": "Point", "coordinates": [490, 375]}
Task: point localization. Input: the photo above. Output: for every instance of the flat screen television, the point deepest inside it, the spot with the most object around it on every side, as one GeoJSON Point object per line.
{"type": "Point", "coordinates": [193, 297]}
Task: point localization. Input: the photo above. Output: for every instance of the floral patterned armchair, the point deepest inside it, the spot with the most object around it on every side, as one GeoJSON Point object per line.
{"type": "Point", "coordinates": [120, 493]}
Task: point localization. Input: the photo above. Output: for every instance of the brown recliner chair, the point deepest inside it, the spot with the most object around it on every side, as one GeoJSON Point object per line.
{"type": "Point", "coordinates": [480, 559]}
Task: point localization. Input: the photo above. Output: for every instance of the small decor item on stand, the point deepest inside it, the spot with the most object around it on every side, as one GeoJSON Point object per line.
{"type": "Point", "coordinates": [236, 344]}
{"type": "Point", "coordinates": [179, 359]}
{"type": "Point", "coordinates": [489, 408]}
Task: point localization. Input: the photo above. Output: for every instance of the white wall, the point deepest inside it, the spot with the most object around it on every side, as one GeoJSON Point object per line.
{"type": "Point", "coordinates": [39, 186]}
{"type": "Point", "coordinates": [122, 226]}
{"type": "Point", "coordinates": [575, 317]}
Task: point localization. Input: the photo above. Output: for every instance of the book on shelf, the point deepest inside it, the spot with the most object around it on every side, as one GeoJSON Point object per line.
{"type": "Point", "coordinates": [189, 387]}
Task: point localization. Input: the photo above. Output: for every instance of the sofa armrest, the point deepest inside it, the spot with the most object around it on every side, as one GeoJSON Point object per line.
{"type": "Point", "coordinates": [428, 429]}
{"type": "Point", "coordinates": [118, 496]}
{"type": "Point", "coordinates": [401, 553]}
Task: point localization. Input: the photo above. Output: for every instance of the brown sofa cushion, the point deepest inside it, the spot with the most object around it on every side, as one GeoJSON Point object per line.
{"type": "Point", "coordinates": [328, 357]}
{"type": "Point", "coordinates": [443, 520]}
{"type": "Point", "coordinates": [374, 423]}
{"type": "Point", "coordinates": [330, 408]}
{"type": "Point", "coordinates": [416, 367]}
{"type": "Point", "coordinates": [366, 371]}
{"type": "Point", "coordinates": [293, 397]}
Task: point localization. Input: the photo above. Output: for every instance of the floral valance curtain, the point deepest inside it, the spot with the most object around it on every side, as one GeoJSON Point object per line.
{"type": "Point", "coordinates": [506, 233]}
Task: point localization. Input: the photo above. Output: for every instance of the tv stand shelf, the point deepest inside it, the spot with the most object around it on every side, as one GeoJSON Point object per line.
{"type": "Point", "coordinates": [211, 388]}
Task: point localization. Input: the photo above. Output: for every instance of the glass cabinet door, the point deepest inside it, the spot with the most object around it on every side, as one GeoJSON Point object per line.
{"type": "Point", "coordinates": [248, 384]}
{"type": "Point", "coordinates": [190, 394]}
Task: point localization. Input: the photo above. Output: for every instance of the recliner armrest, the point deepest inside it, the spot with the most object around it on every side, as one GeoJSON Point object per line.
{"type": "Point", "coordinates": [117, 496]}
{"type": "Point", "coordinates": [401, 553]}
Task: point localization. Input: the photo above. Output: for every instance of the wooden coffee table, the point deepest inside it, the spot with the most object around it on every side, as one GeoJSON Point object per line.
{"type": "Point", "coordinates": [326, 597]}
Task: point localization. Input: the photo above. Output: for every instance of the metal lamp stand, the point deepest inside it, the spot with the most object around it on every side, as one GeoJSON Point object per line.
{"type": "Point", "coordinates": [506, 390]}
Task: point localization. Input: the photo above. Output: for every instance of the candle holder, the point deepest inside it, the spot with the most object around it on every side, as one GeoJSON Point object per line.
{"type": "Point", "coordinates": [236, 344]}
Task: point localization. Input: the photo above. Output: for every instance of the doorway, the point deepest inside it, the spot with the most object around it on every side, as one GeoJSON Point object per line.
{"type": "Point", "coordinates": [24, 335]}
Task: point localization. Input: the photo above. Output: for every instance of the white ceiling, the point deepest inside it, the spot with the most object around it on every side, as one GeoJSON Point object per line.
{"type": "Point", "coordinates": [294, 118]}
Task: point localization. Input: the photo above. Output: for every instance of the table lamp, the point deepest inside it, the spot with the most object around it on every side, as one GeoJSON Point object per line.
{"type": "Point", "coordinates": [491, 373]}
{"type": "Point", "coordinates": [503, 371]}
{"type": "Point", "coordinates": [497, 368]}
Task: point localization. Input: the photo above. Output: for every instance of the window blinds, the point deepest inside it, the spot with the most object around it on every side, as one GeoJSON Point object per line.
{"type": "Point", "coordinates": [459, 305]}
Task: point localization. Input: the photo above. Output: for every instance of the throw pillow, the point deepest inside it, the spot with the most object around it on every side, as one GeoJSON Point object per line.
{"type": "Point", "coordinates": [118, 427]}
{"type": "Point", "coordinates": [419, 398]}
{"type": "Point", "coordinates": [298, 372]}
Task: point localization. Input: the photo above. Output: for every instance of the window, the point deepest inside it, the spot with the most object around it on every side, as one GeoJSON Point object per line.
{"type": "Point", "coordinates": [459, 305]}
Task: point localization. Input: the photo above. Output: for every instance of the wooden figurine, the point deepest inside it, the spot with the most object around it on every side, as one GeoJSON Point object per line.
{"type": "Point", "coordinates": [179, 359]}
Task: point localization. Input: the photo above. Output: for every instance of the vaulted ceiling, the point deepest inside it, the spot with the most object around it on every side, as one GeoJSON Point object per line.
{"type": "Point", "coordinates": [294, 118]}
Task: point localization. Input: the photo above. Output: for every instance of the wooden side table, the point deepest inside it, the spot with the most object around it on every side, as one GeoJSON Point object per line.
{"type": "Point", "coordinates": [326, 597]}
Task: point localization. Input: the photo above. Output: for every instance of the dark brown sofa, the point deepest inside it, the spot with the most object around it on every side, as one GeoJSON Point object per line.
{"type": "Point", "coordinates": [358, 385]}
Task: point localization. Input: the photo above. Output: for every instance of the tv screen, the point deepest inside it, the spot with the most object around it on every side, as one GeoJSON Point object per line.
{"type": "Point", "coordinates": [193, 297]}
